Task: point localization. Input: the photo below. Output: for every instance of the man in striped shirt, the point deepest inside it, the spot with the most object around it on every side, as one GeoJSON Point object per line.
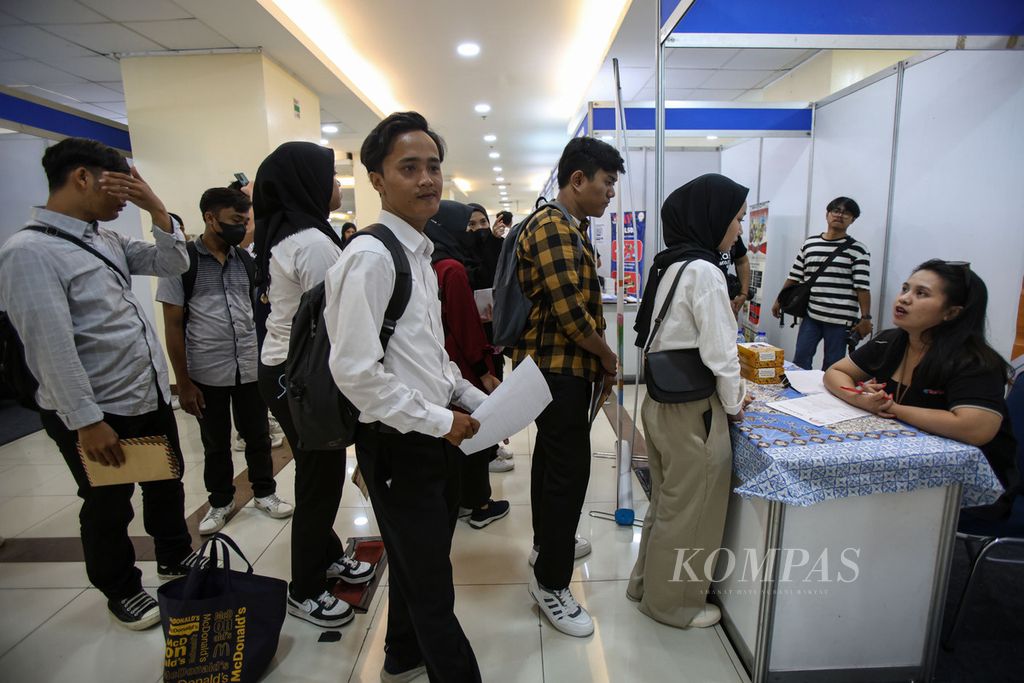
{"type": "Point", "coordinates": [841, 296]}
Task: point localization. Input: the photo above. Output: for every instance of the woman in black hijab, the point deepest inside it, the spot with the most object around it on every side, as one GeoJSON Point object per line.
{"type": "Point", "coordinates": [468, 348]}
{"type": "Point", "coordinates": [688, 443]}
{"type": "Point", "coordinates": [485, 246]}
{"type": "Point", "coordinates": [294, 193]}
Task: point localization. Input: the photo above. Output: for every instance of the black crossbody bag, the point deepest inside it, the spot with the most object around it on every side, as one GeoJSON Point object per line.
{"type": "Point", "coordinates": [795, 299]}
{"type": "Point", "coordinates": [679, 375]}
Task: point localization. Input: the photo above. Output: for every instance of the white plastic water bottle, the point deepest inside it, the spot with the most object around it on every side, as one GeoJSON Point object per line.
{"type": "Point", "coordinates": [740, 337]}
{"type": "Point", "coordinates": [761, 338]}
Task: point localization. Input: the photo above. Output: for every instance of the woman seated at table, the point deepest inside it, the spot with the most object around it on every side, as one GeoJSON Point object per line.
{"type": "Point", "coordinates": [688, 444]}
{"type": "Point", "coordinates": [935, 371]}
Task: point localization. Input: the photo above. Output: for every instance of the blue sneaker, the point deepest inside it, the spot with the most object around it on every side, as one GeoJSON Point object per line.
{"type": "Point", "coordinates": [493, 511]}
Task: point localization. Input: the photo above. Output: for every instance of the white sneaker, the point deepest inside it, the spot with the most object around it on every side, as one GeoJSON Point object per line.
{"type": "Point", "coordinates": [239, 445]}
{"type": "Point", "coordinates": [582, 549]}
{"type": "Point", "coordinates": [562, 610]}
{"type": "Point", "coordinates": [499, 465]}
{"type": "Point", "coordinates": [504, 452]}
{"type": "Point", "coordinates": [276, 433]}
{"type": "Point", "coordinates": [215, 519]}
{"type": "Point", "coordinates": [708, 616]}
{"type": "Point", "coordinates": [274, 506]}
{"type": "Point", "coordinates": [350, 570]}
{"type": "Point", "coordinates": [326, 611]}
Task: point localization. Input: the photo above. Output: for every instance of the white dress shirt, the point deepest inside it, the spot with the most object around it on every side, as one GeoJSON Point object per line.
{"type": "Point", "coordinates": [412, 388]}
{"type": "Point", "coordinates": [701, 318]}
{"type": "Point", "coordinates": [297, 264]}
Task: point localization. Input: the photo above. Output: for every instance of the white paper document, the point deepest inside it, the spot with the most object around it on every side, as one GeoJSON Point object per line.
{"type": "Point", "coordinates": [514, 404]}
{"type": "Point", "coordinates": [819, 409]}
{"type": "Point", "coordinates": [807, 382]}
{"type": "Point", "coordinates": [484, 302]}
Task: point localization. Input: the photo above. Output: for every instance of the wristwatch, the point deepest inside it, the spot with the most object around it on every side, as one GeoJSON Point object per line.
{"type": "Point", "coordinates": [865, 317]}
{"type": "Point", "coordinates": [750, 294]}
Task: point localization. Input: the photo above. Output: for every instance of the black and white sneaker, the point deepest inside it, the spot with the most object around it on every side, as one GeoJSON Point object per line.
{"type": "Point", "coordinates": [495, 510]}
{"type": "Point", "coordinates": [326, 610]}
{"type": "Point", "coordinates": [137, 612]}
{"type": "Point", "coordinates": [350, 570]}
{"type": "Point", "coordinates": [562, 610]}
{"type": "Point", "coordinates": [174, 571]}
{"type": "Point", "coordinates": [581, 550]}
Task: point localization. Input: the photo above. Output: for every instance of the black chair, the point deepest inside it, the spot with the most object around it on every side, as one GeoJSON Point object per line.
{"type": "Point", "coordinates": [983, 537]}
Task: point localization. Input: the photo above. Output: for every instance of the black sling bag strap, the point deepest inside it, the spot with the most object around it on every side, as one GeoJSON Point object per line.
{"type": "Point", "coordinates": [54, 232]}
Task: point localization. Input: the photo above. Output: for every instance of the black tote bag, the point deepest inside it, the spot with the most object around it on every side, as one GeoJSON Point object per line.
{"type": "Point", "coordinates": [220, 625]}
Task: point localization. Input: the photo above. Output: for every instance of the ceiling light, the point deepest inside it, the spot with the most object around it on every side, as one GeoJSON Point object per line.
{"type": "Point", "coordinates": [500, 179]}
{"type": "Point", "coordinates": [324, 141]}
{"type": "Point", "coordinates": [468, 49]}
{"type": "Point", "coordinates": [490, 138]}
{"type": "Point", "coordinates": [329, 128]}
{"type": "Point", "coordinates": [712, 137]}
{"type": "Point", "coordinates": [482, 108]}
{"type": "Point", "coordinates": [501, 187]}
{"type": "Point", "coordinates": [496, 169]}
{"type": "Point", "coordinates": [463, 184]}
{"type": "Point", "coordinates": [494, 155]}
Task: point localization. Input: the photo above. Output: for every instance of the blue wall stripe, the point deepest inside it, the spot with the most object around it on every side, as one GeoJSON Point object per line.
{"type": "Point", "coordinates": [867, 17]}
{"type": "Point", "coordinates": [59, 121]}
{"type": "Point", "coordinates": [711, 118]}
{"type": "Point", "coordinates": [667, 8]}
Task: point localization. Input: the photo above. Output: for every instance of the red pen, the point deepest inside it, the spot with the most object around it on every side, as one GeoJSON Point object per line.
{"type": "Point", "coordinates": [852, 390]}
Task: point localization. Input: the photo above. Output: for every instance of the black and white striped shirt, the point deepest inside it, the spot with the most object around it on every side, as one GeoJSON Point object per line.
{"type": "Point", "coordinates": [833, 296]}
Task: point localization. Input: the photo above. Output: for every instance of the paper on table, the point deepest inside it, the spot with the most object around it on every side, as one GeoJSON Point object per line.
{"type": "Point", "coordinates": [819, 409]}
{"type": "Point", "coordinates": [514, 404]}
{"type": "Point", "coordinates": [807, 382]}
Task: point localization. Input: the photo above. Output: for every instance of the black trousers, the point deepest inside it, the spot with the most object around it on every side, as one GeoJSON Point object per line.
{"type": "Point", "coordinates": [250, 413]}
{"type": "Point", "coordinates": [413, 482]}
{"type": "Point", "coordinates": [319, 478]}
{"type": "Point", "coordinates": [559, 477]}
{"type": "Point", "coordinates": [476, 478]}
{"type": "Point", "coordinates": [107, 510]}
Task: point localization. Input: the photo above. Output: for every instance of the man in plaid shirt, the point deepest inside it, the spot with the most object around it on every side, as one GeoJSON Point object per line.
{"type": "Point", "coordinates": [565, 337]}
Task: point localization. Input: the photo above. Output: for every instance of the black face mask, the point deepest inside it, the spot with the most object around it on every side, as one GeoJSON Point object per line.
{"type": "Point", "coordinates": [231, 233]}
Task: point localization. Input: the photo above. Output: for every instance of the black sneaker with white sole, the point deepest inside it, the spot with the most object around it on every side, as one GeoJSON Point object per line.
{"type": "Point", "coordinates": [179, 569]}
{"type": "Point", "coordinates": [495, 510]}
{"type": "Point", "coordinates": [350, 570]}
{"type": "Point", "coordinates": [137, 612]}
{"type": "Point", "coordinates": [325, 610]}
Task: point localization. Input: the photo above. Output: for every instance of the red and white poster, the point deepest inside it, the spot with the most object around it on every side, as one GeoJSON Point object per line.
{"type": "Point", "coordinates": [757, 252]}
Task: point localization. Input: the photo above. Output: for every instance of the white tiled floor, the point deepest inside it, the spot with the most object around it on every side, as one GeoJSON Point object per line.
{"type": "Point", "coordinates": [54, 626]}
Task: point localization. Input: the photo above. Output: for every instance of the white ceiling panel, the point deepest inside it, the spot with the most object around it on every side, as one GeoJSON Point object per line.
{"type": "Point", "coordinates": [632, 78]}
{"type": "Point", "coordinates": [723, 80]}
{"type": "Point", "coordinates": [114, 85]}
{"type": "Point", "coordinates": [90, 68]}
{"type": "Point", "coordinates": [686, 78]}
{"type": "Point", "coordinates": [7, 54]}
{"type": "Point", "coordinates": [104, 38]}
{"type": "Point", "coordinates": [52, 12]}
{"type": "Point", "coordinates": [35, 43]}
{"type": "Point", "coordinates": [30, 72]}
{"type": "Point", "coordinates": [48, 95]}
{"type": "Point", "coordinates": [714, 95]}
{"type": "Point", "coordinates": [118, 108]}
{"type": "Point", "coordinates": [699, 57]}
{"type": "Point", "coordinates": [85, 92]}
{"type": "Point", "coordinates": [181, 34]}
{"type": "Point", "coordinates": [767, 59]}
{"type": "Point", "coordinates": [6, 19]}
{"type": "Point", "coordinates": [134, 10]}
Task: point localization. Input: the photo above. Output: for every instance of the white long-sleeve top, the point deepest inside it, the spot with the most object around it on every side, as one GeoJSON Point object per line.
{"type": "Point", "coordinates": [701, 318]}
{"type": "Point", "coordinates": [413, 387]}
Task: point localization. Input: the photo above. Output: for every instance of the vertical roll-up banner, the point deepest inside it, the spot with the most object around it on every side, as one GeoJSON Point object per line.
{"type": "Point", "coordinates": [757, 254]}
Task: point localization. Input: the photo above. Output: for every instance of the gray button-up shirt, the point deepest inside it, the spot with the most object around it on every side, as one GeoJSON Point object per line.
{"type": "Point", "coordinates": [220, 335]}
{"type": "Point", "coordinates": [86, 337]}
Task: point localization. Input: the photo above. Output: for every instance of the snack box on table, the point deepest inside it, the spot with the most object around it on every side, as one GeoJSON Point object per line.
{"type": "Point", "coordinates": [760, 355]}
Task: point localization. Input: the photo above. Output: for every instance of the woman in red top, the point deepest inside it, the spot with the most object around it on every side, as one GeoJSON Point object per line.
{"type": "Point", "coordinates": [467, 346]}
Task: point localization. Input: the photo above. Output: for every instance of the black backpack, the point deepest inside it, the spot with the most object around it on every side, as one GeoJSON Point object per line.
{"type": "Point", "coordinates": [15, 374]}
{"type": "Point", "coordinates": [511, 306]}
{"type": "Point", "coordinates": [188, 278]}
{"type": "Point", "coordinates": [324, 418]}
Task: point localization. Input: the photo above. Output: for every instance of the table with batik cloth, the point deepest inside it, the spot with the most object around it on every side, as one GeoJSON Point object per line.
{"type": "Point", "coordinates": [837, 546]}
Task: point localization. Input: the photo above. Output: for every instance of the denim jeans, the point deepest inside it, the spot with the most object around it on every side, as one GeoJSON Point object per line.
{"type": "Point", "coordinates": [813, 331]}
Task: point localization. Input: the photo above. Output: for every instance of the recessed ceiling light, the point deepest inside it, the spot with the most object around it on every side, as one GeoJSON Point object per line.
{"type": "Point", "coordinates": [490, 138]}
{"type": "Point", "coordinates": [496, 169]}
{"type": "Point", "coordinates": [482, 108]}
{"type": "Point", "coordinates": [494, 155]}
{"type": "Point", "coordinates": [324, 141]}
{"type": "Point", "coordinates": [500, 179]}
{"type": "Point", "coordinates": [501, 187]}
{"type": "Point", "coordinates": [468, 49]}
{"type": "Point", "coordinates": [712, 137]}
{"type": "Point", "coordinates": [329, 128]}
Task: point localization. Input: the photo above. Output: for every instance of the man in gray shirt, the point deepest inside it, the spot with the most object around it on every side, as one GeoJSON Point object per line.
{"type": "Point", "coordinates": [211, 341]}
{"type": "Point", "coordinates": [102, 375]}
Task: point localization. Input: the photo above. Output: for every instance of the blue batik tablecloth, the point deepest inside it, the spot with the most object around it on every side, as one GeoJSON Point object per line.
{"type": "Point", "coordinates": [778, 457]}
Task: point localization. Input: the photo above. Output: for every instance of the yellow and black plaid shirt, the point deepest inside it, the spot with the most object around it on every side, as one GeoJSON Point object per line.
{"type": "Point", "coordinates": [558, 273]}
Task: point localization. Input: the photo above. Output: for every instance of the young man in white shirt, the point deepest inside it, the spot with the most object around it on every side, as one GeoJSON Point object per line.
{"type": "Point", "coordinates": [406, 441]}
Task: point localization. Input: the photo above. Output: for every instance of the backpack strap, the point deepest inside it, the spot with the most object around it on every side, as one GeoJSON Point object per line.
{"type": "Point", "coordinates": [188, 278]}
{"type": "Point", "coordinates": [249, 263]}
{"type": "Point", "coordinates": [54, 232]}
{"type": "Point", "coordinates": [402, 291]}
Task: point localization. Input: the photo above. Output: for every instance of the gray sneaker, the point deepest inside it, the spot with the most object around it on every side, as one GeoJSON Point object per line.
{"type": "Point", "coordinates": [215, 519]}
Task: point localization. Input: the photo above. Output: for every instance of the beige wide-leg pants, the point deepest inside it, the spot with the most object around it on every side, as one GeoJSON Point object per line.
{"type": "Point", "coordinates": [691, 467]}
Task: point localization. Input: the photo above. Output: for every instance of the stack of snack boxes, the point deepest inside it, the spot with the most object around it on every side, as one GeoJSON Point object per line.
{"type": "Point", "coordinates": [760, 363]}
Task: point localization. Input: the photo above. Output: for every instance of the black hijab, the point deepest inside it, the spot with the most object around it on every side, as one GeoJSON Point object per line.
{"type": "Point", "coordinates": [292, 192]}
{"type": "Point", "coordinates": [694, 220]}
{"type": "Point", "coordinates": [486, 248]}
{"type": "Point", "coordinates": [446, 230]}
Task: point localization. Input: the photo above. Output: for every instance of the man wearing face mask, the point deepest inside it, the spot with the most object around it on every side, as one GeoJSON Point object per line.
{"type": "Point", "coordinates": [211, 341]}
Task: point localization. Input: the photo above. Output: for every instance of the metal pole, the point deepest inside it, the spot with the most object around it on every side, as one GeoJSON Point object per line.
{"type": "Point", "coordinates": [880, 301]}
